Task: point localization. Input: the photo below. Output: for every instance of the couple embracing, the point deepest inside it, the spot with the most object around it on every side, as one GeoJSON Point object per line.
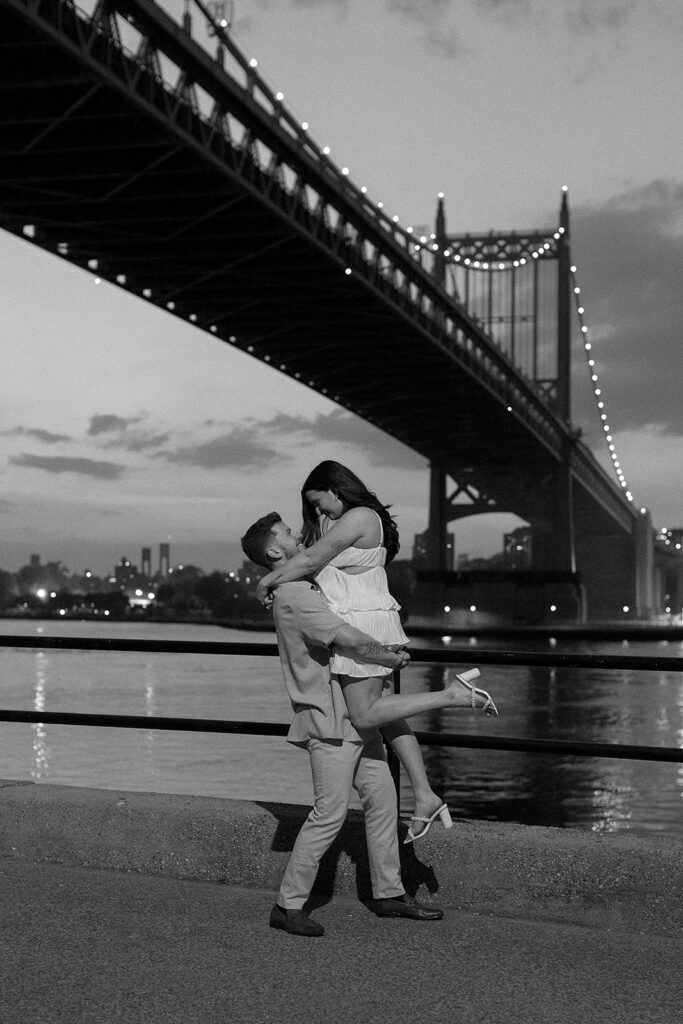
{"type": "Point", "coordinates": [339, 638]}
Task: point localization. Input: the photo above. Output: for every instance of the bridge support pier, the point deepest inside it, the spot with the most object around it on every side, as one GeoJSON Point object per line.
{"type": "Point", "coordinates": [675, 590]}
{"type": "Point", "coordinates": [553, 545]}
{"type": "Point", "coordinates": [435, 554]}
{"type": "Point", "coordinates": [644, 566]}
{"type": "Point", "coordinates": [548, 588]}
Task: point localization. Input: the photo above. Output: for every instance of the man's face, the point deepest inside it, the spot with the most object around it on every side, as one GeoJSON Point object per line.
{"type": "Point", "coordinates": [285, 541]}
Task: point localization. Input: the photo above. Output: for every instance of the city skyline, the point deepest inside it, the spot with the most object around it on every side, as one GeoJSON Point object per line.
{"type": "Point", "coordinates": [120, 421]}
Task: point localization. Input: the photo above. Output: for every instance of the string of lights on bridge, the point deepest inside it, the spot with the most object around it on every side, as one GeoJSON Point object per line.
{"type": "Point", "coordinates": [542, 248]}
{"type": "Point", "coordinates": [429, 244]}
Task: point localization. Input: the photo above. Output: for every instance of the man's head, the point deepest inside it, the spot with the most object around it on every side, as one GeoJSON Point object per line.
{"type": "Point", "coordinates": [270, 541]}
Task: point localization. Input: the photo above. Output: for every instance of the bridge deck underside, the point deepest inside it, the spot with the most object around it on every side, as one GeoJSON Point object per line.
{"type": "Point", "coordinates": [83, 163]}
{"type": "Point", "coordinates": [185, 217]}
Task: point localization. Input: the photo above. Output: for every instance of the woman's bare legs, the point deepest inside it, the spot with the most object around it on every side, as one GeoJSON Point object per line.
{"type": "Point", "coordinates": [368, 709]}
{"type": "Point", "coordinates": [407, 749]}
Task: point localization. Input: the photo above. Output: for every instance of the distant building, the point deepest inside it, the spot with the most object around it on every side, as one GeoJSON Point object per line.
{"type": "Point", "coordinates": [421, 556]}
{"type": "Point", "coordinates": [164, 559]}
{"type": "Point", "coordinates": [125, 574]}
{"type": "Point", "coordinates": [146, 562]}
{"type": "Point", "coordinates": [517, 548]}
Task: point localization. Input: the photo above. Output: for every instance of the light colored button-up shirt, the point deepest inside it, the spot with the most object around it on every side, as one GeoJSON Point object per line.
{"type": "Point", "coordinates": [306, 629]}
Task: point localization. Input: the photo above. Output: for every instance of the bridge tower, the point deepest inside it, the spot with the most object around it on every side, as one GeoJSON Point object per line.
{"type": "Point", "coordinates": [529, 318]}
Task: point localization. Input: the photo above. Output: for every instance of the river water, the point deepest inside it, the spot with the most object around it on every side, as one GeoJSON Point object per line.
{"type": "Point", "coordinates": [599, 705]}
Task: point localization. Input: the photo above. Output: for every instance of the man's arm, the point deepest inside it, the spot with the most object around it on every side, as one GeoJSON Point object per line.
{"type": "Point", "coordinates": [319, 625]}
{"type": "Point", "coordinates": [360, 647]}
{"type": "Point", "coordinates": [310, 561]}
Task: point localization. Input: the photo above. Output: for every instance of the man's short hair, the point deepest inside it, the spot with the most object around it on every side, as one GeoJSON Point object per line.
{"type": "Point", "coordinates": [259, 537]}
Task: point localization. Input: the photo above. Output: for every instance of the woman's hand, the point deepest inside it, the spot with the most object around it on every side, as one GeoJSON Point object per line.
{"type": "Point", "coordinates": [264, 594]}
{"type": "Point", "coordinates": [403, 657]}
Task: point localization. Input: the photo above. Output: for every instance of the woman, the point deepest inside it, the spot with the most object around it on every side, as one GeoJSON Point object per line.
{"type": "Point", "coordinates": [349, 536]}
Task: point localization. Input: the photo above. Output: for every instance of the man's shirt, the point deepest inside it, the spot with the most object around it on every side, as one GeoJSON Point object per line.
{"type": "Point", "coordinates": [306, 629]}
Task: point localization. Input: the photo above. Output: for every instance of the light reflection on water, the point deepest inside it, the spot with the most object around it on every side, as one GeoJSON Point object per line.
{"type": "Point", "coordinates": [598, 705]}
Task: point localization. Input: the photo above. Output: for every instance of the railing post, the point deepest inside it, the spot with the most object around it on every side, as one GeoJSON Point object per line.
{"type": "Point", "coordinates": [392, 759]}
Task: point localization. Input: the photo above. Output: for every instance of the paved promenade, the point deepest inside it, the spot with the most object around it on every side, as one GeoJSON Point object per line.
{"type": "Point", "coordinates": [83, 945]}
{"type": "Point", "coordinates": [145, 908]}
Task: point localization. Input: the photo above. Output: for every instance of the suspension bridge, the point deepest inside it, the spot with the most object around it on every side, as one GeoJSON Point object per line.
{"type": "Point", "coordinates": [177, 174]}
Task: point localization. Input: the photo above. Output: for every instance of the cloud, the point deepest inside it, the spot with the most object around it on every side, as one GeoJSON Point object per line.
{"type": "Point", "coordinates": [338, 428]}
{"type": "Point", "coordinates": [505, 7]}
{"type": "Point", "coordinates": [138, 441]}
{"type": "Point", "coordinates": [240, 449]}
{"type": "Point", "coordinates": [629, 255]}
{"type": "Point", "coordinates": [40, 435]}
{"type": "Point", "coordinates": [6, 506]}
{"type": "Point", "coordinates": [592, 15]}
{"type": "Point", "coordinates": [316, 4]}
{"type": "Point", "coordinates": [437, 37]}
{"type": "Point", "coordinates": [257, 444]}
{"type": "Point", "coordinates": [59, 464]}
{"type": "Point", "coordinates": [106, 422]}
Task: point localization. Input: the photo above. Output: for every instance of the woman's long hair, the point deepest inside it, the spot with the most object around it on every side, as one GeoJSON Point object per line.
{"type": "Point", "coordinates": [332, 476]}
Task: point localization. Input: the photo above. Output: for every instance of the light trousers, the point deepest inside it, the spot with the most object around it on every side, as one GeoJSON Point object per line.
{"type": "Point", "coordinates": [337, 767]}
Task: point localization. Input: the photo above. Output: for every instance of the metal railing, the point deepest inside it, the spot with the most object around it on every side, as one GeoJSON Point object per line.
{"type": "Point", "coordinates": [418, 655]}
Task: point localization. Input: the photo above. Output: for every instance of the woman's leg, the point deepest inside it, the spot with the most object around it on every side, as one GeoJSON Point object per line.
{"type": "Point", "coordinates": [368, 709]}
{"type": "Point", "coordinates": [407, 749]}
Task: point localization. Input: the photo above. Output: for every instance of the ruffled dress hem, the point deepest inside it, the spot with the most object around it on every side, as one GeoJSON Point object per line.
{"type": "Point", "coordinates": [381, 624]}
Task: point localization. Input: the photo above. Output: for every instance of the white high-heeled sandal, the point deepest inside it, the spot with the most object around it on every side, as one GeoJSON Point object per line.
{"type": "Point", "coordinates": [441, 812]}
{"type": "Point", "coordinates": [489, 708]}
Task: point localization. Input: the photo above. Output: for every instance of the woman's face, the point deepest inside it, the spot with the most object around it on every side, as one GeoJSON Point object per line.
{"type": "Point", "coordinates": [326, 503]}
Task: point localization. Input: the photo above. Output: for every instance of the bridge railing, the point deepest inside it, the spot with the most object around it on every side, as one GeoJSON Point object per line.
{"type": "Point", "coordinates": [419, 655]}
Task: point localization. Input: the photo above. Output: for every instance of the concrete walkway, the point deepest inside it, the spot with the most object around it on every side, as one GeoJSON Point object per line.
{"type": "Point", "coordinates": [87, 945]}
{"type": "Point", "coordinates": [151, 908]}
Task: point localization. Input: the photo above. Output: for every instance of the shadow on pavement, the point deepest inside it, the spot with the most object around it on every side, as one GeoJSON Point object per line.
{"type": "Point", "coordinates": [351, 843]}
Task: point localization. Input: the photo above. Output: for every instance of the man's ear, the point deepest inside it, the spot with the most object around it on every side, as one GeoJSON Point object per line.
{"type": "Point", "coordinates": [273, 554]}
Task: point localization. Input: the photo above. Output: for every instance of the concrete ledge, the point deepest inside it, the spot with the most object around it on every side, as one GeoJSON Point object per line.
{"type": "Point", "coordinates": [516, 870]}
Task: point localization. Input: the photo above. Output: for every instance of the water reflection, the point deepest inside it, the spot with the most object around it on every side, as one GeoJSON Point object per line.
{"type": "Point", "coordinates": [558, 703]}
{"type": "Point", "coordinates": [597, 705]}
{"type": "Point", "coordinates": [150, 711]}
{"type": "Point", "coordinates": [41, 751]}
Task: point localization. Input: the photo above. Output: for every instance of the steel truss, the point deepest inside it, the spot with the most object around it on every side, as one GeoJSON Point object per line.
{"type": "Point", "coordinates": [190, 185]}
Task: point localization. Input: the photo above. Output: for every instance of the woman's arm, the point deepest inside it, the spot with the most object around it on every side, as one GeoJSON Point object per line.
{"type": "Point", "coordinates": [345, 532]}
{"type": "Point", "coordinates": [363, 648]}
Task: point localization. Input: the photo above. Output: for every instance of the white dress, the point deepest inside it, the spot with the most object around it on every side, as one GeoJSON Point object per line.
{"type": "Point", "coordinates": [363, 600]}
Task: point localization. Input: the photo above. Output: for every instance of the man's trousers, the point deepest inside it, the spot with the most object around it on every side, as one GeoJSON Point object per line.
{"type": "Point", "coordinates": [336, 767]}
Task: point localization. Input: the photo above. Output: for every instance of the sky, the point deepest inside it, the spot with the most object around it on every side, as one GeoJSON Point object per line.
{"type": "Point", "coordinates": [122, 427]}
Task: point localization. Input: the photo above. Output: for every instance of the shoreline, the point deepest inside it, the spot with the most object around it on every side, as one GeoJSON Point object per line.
{"type": "Point", "coordinates": [568, 631]}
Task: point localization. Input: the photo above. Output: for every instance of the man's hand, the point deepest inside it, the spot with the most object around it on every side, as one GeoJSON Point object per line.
{"type": "Point", "coordinates": [385, 656]}
{"type": "Point", "coordinates": [403, 657]}
{"type": "Point", "coordinates": [363, 649]}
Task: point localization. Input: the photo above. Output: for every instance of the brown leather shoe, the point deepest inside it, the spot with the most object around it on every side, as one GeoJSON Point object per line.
{"type": "Point", "coordinates": [407, 906]}
{"type": "Point", "coordinates": [296, 922]}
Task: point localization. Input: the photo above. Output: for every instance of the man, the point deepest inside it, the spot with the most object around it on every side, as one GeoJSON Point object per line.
{"type": "Point", "coordinates": [340, 758]}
